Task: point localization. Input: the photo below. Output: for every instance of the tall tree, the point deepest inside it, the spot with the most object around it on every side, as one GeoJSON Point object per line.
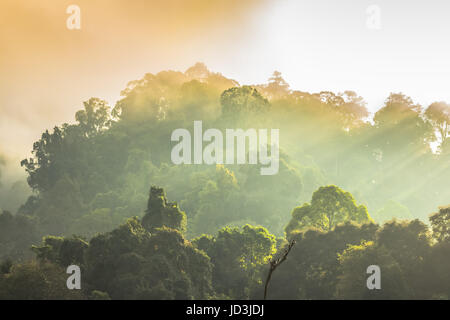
{"type": "Point", "coordinates": [329, 206]}
{"type": "Point", "coordinates": [439, 115]}
{"type": "Point", "coordinates": [162, 213]}
{"type": "Point", "coordinates": [440, 224]}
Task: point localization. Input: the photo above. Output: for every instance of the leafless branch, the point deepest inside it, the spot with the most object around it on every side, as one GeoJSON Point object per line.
{"type": "Point", "coordinates": [275, 263]}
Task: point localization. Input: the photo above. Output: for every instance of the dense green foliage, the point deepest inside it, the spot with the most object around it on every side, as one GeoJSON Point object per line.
{"type": "Point", "coordinates": [338, 174]}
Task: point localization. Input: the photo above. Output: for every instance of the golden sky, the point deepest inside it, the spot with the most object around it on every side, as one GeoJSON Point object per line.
{"type": "Point", "coordinates": [47, 70]}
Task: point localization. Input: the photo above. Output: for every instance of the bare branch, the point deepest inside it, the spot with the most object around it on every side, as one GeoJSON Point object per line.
{"type": "Point", "coordinates": [275, 263]}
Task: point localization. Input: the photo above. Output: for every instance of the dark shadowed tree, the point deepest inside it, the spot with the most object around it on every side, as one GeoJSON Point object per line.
{"type": "Point", "coordinates": [162, 213]}
{"type": "Point", "coordinates": [238, 256]}
{"type": "Point", "coordinates": [440, 224]}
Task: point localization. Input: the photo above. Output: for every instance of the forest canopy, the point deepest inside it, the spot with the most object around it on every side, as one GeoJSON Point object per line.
{"type": "Point", "coordinates": [209, 231]}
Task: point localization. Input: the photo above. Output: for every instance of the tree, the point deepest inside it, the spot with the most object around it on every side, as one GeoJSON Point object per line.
{"type": "Point", "coordinates": [400, 124]}
{"type": "Point", "coordinates": [238, 256]}
{"type": "Point", "coordinates": [439, 115]}
{"type": "Point", "coordinates": [131, 263]}
{"type": "Point", "coordinates": [162, 213]}
{"type": "Point", "coordinates": [95, 117]}
{"type": "Point", "coordinates": [216, 202]}
{"type": "Point", "coordinates": [277, 87]}
{"type": "Point", "coordinates": [353, 110]}
{"type": "Point", "coordinates": [354, 261]}
{"type": "Point", "coordinates": [312, 268]}
{"type": "Point", "coordinates": [267, 199]}
{"type": "Point", "coordinates": [17, 233]}
{"type": "Point", "coordinates": [436, 272]}
{"type": "Point", "coordinates": [198, 71]}
{"type": "Point", "coordinates": [61, 251]}
{"type": "Point", "coordinates": [409, 243]}
{"type": "Point", "coordinates": [240, 104]}
{"type": "Point", "coordinates": [37, 281]}
{"type": "Point", "coordinates": [440, 224]}
{"type": "Point", "coordinates": [329, 206]}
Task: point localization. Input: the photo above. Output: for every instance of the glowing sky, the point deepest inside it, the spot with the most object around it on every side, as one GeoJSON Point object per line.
{"type": "Point", "coordinates": [46, 70]}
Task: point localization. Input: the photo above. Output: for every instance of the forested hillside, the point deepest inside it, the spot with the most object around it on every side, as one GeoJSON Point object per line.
{"type": "Point", "coordinates": [209, 231]}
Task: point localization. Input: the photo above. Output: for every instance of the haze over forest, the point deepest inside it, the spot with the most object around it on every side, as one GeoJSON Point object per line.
{"type": "Point", "coordinates": [339, 175]}
{"type": "Point", "coordinates": [86, 175]}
